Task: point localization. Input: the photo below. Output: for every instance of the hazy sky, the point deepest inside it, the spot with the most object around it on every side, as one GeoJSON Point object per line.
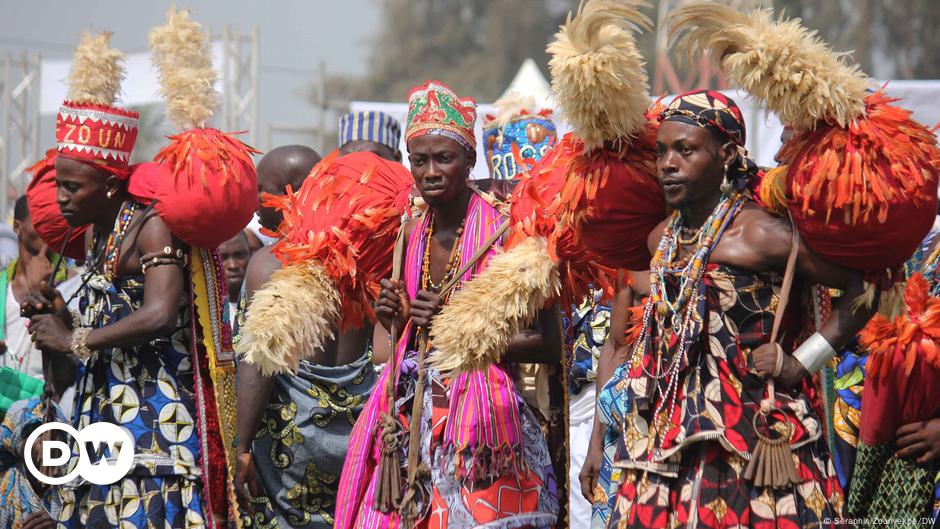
{"type": "Point", "coordinates": [295, 36]}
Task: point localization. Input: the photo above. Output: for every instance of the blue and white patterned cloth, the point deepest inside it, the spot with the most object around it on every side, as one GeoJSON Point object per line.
{"type": "Point", "coordinates": [588, 327]}
{"type": "Point", "coordinates": [373, 126]}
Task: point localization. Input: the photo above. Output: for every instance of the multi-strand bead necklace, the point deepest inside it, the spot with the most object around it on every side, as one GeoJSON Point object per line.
{"type": "Point", "coordinates": [679, 310]}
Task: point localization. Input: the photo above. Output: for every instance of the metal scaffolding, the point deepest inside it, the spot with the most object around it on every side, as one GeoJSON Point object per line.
{"type": "Point", "coordinates": [240, 59]}
{"type": "Point", "coordinates": [19, 116]}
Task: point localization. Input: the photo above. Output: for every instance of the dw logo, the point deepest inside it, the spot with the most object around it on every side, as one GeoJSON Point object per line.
{"type": "Point", "coordinates": [56, 453]}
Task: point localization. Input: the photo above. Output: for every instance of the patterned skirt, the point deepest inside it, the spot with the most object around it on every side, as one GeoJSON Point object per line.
{"type": "Point", "coordinates": [888, 487]}
{"type": "Point", "coordinates": [299, 450]}
{"type": "Point", "coordinates": [134, 502]}
{"type": "Point", "coordinates": [710, 491]}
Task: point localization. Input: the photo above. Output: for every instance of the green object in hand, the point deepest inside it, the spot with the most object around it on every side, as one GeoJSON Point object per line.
{"type": "Point", "coordinates": [15, 386]}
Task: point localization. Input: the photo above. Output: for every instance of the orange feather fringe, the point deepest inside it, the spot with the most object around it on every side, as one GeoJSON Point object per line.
{"type": "Point", "coordinates": [772, 190]}
{"type": "Point", "coordinates": [563, 199]}
{"type": "Point", "coordinates": [855, 184]}
{"type": "Point", "coordinates": [219, 153]}
{"type": "Point", "coordinates": [346, 215]}
{"type": "Point", "coordinates": [915, 333]}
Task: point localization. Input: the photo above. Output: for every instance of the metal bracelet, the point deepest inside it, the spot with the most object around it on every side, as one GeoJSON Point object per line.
{"type": "Point", "coordinates": [76, 318]}
{"type": "Point", "coordinates": [814, 353]}
{"type": "Point", "coordinates": [80, 342]}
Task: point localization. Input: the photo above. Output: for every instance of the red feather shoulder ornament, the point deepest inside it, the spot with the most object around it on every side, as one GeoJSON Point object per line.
{"type": "Point", "coordinates": [903, 365]}
{"type": "Point", "coordinates": [584, 209]}
{"type": "Point", "coordinates": [338, 236]}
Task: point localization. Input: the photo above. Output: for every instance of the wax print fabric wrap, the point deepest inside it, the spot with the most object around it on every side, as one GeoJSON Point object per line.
{"type": "Point", "coordinates": [707, 432]}
{"type": "Point", "coordinates": [174, 395]}
{"type": "Point", "coordinates": [300, 448]}
{"type": "Point", "coordinates": [587, 326]}
{"type": "Point", "coordinates": [17, 497]}
{"type": "Point", "coordinates": [721, 115]}
{"type": "Point", "coordinates": [489, 463]}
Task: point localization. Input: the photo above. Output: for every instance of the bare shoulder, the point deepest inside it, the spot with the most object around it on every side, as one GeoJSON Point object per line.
{"type": "Point", "coordinates": [409, 226]}
{"type": "Point", "coordinates": [767, 234]}
{"type": "Point", "coordinates": [262, 264]}
{"type": "Point", "coordinates": [154, 235]}
{"type": "Point", "coordinates": [264, 260]}
{"type": "Point", "coordinates": [652, 240]}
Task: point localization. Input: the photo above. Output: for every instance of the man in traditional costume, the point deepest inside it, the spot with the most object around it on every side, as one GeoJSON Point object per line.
{"type": "Point", "coordinates": [692, 394]}
{"type": "Point", "coordinates": [902, 486]}
{"type": "Point", "coordinates": [885, 410]}
{"type": "Point", "coordinates": [294, 428]}
{"type": "Point", "coordinates": [470, 450]}
{"type": "Point", "coordinates": [859, 182]}
{"type": "Point", "coordinates": [152, 327]}
{"type": "Point", "coordinates": [720, 425]}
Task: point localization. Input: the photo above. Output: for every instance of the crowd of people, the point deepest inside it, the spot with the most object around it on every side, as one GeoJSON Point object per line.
{"type": "Point", "coordinates": [632, 325]}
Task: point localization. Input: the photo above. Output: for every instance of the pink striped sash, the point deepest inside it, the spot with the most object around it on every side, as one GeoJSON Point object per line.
{"type": "Point", "coordinates": [483, 427]}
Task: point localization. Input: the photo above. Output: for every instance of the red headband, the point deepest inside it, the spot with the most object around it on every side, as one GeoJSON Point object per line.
{"type": "Point", "coordinates": [96, 133]}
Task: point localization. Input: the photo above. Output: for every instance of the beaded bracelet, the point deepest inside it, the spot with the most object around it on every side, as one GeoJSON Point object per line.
{"type": "Point", "coordinates": [76, 317]}
{"type": "Point", "coordinates": [80, 342]}
{"type": "Point", "coordinates": [167, 257]}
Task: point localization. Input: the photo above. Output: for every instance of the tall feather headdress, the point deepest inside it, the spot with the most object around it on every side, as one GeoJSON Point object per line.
{"type": "Point", "coordinates": [597, 186]}
{"type": "Point", "coordinates": [97, 70]}
{"type": "Point", "coordinates": [204, 180]}
{"type": "Point", "coordinates": [598, 75]}
{"type": "Point", "coordinates": [89, 127]}
{"type": "Point", "coordinates": [778, 61]}
{"type": "Point", "coordinates": [861, 175]}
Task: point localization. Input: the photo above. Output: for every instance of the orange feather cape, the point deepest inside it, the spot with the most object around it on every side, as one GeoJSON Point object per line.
{"type": "Point", "coordinates": [346, 215]}
{"type": "Point", "coordinates": [595, 208]}
{"type": "Point", "coordinates": [903, 366]}
{"type": "Point", "coordinates": [864, 196]}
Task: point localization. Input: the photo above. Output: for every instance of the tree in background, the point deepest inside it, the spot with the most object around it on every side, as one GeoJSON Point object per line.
{"type": "Point", "coordinates": [476, 46]}
{"type": "Point", "coordinates": [889, 39]}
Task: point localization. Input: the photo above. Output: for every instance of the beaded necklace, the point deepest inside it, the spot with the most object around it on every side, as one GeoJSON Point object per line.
{"type": "Point", "coordinates": [112, 247]}
{"type": "Point", "coordinates": [692, 270]}
{"type": "Point", "coordinates": [679, 311]}
{"type": "Point", "coordinates": [687, 236]}
{"type": "Point", "coordinates": [105, 262]}
{"type": "Point", "coordinates": [452, 263]}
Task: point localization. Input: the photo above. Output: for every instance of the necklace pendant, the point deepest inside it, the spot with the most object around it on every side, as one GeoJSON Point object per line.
{"type": "Point", "coordinates": [662, 309]}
